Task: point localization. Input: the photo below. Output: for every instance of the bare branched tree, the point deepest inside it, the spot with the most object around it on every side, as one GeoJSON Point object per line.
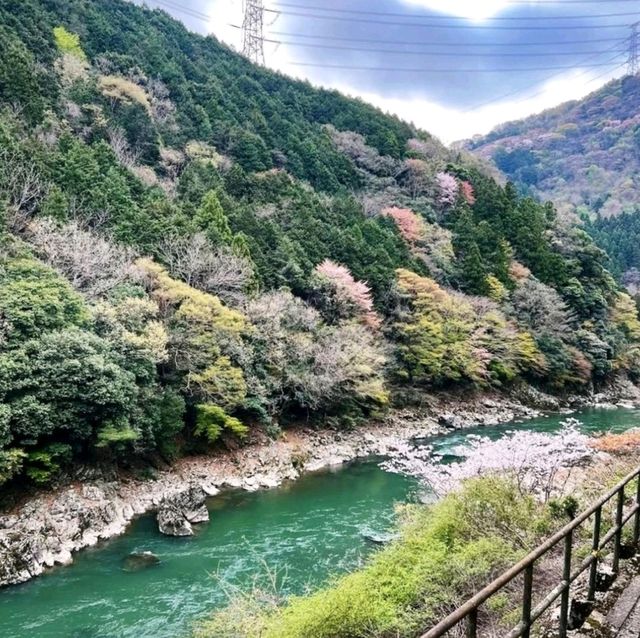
{"type": "Point", "coordinates": [22, 187]}
{"type": "Point", "coordinates": [173, 161]}
{"type": "Point", "coordinates": [162, 108]}
{"type": "Point", "coordinates": [354, 146]}
{"type": "Point", "coordinates": [216, 270]}
{"type": "Point", "coordinates": [121, 148]}
{"type": "Point", "coordinates": [541, 309]}
{"type": "Point", "coordinates": [82, 214]}
{"type": "Point", "coordinates": [94, 265]}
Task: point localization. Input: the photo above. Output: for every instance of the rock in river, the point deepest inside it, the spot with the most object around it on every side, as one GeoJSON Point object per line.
{"type": "Point", "coordinates": [179, 510]}
{"type": "Point", "coordinates": [139, 560]}
{"type": "Point", "coordinates": [377, 538]}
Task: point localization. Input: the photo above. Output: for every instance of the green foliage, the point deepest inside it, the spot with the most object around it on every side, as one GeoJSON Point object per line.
{"type": "Point", "coordinates": [222, 382]}
{"type": "Point", "coordinates": [212, 420]}
{"type": "Point", "coordinates": [618, 236]}
{"type": "Point", "coordinates": [563, 508]}
{"type": "Point", "coordinates": [21, 82]}
{"type": "Point", "coordinates": [204, 333]}
{"type": "Point", "coordinates": [68, 42]}
{"type": "Point", "coordinates": [435, 342]}
{"type": "Point", "coordinates": [66, 384]}
{"type": "Point", "coordinates": [166, 422]}
{"type": "Point", "coordinates": [211, 219]}
{"type": "Point", "coordinates": [111, 436]}
{"type": "Point", "coordinates": [250, 151]}
{"type": "Point", "coordinates": [43, 464]}
{"type": "Point", "coordinates": [11, 462]}
{"type": "Point", "coordinates": [444, 338]}
{"type": "Point", "coordinates": [34, 298]}
{"type": "Point", "coordinates": [444, 552]}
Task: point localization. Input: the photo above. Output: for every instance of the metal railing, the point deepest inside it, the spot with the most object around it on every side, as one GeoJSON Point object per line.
{"type": "Point", "coordinates": [469, 610]}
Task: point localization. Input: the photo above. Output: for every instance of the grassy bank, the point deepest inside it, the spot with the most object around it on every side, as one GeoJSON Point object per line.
{"type": "Point", "coordinates": [443, 553]}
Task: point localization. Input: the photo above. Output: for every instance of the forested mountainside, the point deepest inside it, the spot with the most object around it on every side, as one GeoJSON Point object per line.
{"type": "Point", "coordinates": [585, 157]}
{"type": "Point", "coordinates": [193, 246]}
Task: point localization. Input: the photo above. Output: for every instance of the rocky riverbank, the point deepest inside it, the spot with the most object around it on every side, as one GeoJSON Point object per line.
{"type": "Point", "coordinates": [46, 530]}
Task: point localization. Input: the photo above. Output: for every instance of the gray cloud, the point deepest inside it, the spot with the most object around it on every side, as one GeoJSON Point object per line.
{"type": "Point", "coordinates": [484, 62]}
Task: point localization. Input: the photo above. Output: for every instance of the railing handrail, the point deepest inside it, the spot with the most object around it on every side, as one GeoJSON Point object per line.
{"type": "Point", "coordinates": [492, 588]}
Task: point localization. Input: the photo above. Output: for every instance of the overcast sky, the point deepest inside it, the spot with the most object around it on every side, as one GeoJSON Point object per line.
{"type": "Point", "coordinates": [454, 67]}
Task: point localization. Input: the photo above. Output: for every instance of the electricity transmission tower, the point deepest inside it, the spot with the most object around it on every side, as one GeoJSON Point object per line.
{"type": "Point", "coordinates": [633, 61]}
{"type": "Point", "coordinates": [252, 37]}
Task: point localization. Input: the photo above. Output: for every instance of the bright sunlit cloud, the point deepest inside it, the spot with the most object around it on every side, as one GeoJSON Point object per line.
{"type": "Point", "coordinates": [450, 124]}
{"type": "Point", "coordinates": [224, 14]}
{"type": "Point", "coordinates": [472, 9]}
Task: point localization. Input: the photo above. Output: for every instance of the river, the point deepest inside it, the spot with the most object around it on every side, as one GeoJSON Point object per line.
{"type": "Point", "coordinates": [301, 533]}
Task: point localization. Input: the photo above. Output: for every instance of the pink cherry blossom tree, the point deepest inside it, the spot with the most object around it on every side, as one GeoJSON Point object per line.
{"type": "Point", "coordinates": [410, 225]}
{"type": "Point", "coordinates": [350, 296]}
{"type": "Point", "coordinates": [468, 193]}
{"type": "Point", "coordinates": [449, 188]}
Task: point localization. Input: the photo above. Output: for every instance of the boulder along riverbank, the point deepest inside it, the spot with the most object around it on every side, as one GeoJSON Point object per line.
{"type": "Point", "coordinates": [46, 529]}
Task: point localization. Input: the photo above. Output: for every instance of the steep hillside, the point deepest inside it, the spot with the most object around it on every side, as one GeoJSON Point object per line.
{"type": "Point", "coordinates": [582, 155]}
{"type": "Point", "coordinates": [192, 246]}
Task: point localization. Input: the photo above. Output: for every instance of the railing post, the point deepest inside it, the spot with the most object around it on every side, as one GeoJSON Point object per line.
{"type": "Point", "coordinates": [526, 600]}
{"type": "Point", "coordinates": [636, 523]}
{"type": "Point", "coordinates": [595, 550]}
{"type": "Point", "coordinates": [618, 534]}
{"type": "Point", "coordinates": [566, 577]}
{"type": "Point", "coordinates": [472, 623]}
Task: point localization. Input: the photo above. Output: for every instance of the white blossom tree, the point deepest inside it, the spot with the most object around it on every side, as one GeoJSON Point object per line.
{"type": "Point", "coordinates": [298, 360]}
{"type": "Point", "coordinates": [536, 461]}
{"type": "Point", "coordinates": [449, 188]}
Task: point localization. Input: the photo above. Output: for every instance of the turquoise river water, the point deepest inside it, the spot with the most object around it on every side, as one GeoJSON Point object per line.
{"type": "Point", "coordinates": [304, 532]}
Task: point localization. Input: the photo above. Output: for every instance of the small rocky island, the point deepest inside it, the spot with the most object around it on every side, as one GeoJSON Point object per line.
{"type": "Point", "coordinates": [177, 512]}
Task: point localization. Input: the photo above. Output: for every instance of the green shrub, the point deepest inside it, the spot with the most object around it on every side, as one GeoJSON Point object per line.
{"type": "Point", "coordinates": [11, 462]}
{"type": "Point", "coordinates": [68, 42]}
{"type": "Point", "coordinates": [211, 420]}
{"type": "Point", "coordinates": [42, 465]}
{"type": "Point", "coordinates": [34, 298]}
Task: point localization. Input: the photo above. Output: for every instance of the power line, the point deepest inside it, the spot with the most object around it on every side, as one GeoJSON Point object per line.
{"type": "Point", "coordinates": [434, 53]}
{"type": "Point", "coordinates": [206, 17]}
{"type": "Point", "coordinates": [539, 93]}
{"type": "Point", "coordinates": [423, 70]}
{"type": "Point", "coordinates": [584, 71]}
{"type": "Point", "coordinates": [181, 9]}
{"type": "Point", "coordinates": [399, 14]}
{"type": "Point", "coordinates": [450, 26]}
{"type": "Point", "coordinates": [456, 45]}
{"type": "Point", "coordinates": [555, 2]}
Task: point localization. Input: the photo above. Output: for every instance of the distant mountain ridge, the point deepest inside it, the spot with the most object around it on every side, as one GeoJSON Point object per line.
{"type": "Point", "coordinates": [583, 155]}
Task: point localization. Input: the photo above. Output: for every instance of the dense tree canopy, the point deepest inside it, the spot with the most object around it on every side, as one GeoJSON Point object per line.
{"type": "Point", "coordinates": [191, 246]}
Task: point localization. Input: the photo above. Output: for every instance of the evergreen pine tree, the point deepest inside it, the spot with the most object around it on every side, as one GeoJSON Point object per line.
{"type": "Point", "coordinates": [211, 219]}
